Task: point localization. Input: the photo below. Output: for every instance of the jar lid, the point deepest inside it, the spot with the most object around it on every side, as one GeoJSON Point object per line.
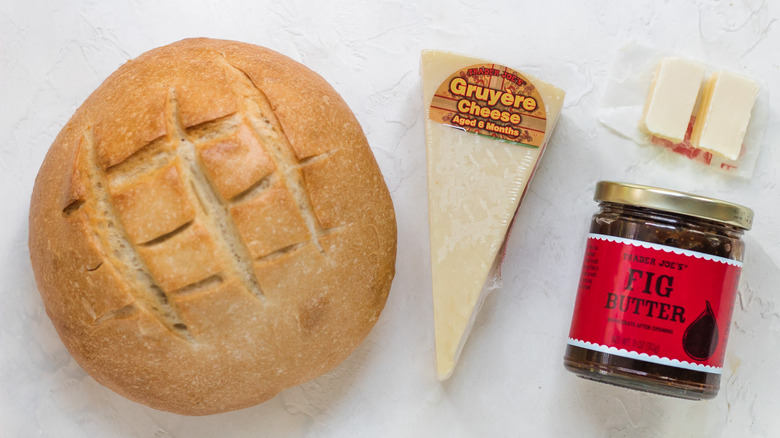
{"type": "Point", "coordinates": [674, 202]}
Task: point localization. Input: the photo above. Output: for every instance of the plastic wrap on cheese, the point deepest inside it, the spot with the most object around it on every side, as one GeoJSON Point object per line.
{"type": "Point", "coordinates": [486, 128]}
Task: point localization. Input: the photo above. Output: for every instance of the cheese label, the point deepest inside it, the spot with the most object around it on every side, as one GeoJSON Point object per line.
{"type": "Point", "coordinates": [494, 101]}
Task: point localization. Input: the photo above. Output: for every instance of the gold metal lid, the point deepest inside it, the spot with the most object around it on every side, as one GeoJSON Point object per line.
{"type": "Point", "coordinates": [674, 202]}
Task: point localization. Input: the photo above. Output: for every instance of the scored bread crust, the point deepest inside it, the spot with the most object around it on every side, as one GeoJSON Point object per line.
{"type": "Point", "coordinates": [211, 227]}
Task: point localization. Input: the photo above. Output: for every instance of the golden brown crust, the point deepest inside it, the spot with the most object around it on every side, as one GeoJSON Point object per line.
{"type": "Point", "coordinates": [187, 269]}
{"type": "Point", "coordinates": [153, 204]}
{"type": "Point", "coordinates": [242, 149]}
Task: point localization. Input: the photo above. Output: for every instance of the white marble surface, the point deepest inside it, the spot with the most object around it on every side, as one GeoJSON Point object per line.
{"type": "Point", "coordinates": [510, 381]}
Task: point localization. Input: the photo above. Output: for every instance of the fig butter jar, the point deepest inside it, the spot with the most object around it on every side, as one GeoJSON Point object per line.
{"type": "Point", "coordinates": [657, 290]}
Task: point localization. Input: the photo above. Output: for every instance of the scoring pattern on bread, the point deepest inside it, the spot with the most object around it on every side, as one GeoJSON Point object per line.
{"type": "Point", "coordinates": [211, 165]}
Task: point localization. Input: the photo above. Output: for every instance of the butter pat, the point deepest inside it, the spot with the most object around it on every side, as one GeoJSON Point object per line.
{"type": "Point", "coordinates": [486, 127]}
{"type": "Point", "coordinates": [724, 114]}
{"type": "Point", "coordinates": [672, 98]}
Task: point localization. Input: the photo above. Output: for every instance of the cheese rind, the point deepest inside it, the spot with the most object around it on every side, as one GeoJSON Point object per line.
{"type": "Point", "coordinates": [475, 184]}
{"type": "Point", "coordinates": [724, 114]}
{"type": "Point", "coordinates": [672, 98]}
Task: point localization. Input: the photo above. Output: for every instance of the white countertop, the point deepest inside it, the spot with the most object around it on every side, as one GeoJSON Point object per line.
{"type": "Point", "coordinates": [510, 380]}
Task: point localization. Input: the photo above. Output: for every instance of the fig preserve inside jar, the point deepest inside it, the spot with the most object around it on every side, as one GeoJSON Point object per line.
{"type": "Point", "coordinates": [657, 290]}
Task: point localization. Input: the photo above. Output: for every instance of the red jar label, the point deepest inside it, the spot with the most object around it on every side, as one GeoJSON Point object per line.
{"type": "Point", "coordinates": [654, 303]}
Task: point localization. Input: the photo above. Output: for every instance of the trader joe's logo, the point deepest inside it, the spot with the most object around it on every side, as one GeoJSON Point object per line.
{"type": "Point", "coordinates": [491, 100]}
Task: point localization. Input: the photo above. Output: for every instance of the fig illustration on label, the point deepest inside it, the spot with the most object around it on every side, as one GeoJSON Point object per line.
{"type": "Point", "coordinates": [701, 337]}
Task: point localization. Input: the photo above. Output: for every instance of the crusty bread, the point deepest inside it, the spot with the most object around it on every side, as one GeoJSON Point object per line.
{"type": "Point", "coordinates": [210, 228]}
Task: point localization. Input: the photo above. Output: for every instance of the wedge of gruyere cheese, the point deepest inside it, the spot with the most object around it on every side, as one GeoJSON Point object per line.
{"type": "Point", "coordinates": [475, 182]}
{"type": "Point", "coordinates": [672, 97]}
{"type": "Point", "coordinates": [724, 114]}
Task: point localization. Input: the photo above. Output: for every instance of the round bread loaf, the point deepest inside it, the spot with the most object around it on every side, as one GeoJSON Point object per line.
{"type": "Point", "coordinates": [210, 228]}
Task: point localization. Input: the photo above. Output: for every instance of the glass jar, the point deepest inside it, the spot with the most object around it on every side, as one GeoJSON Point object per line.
{"type": "Point", "coordinates": [657, 290]}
